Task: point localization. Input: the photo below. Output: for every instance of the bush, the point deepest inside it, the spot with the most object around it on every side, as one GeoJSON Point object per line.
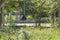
{"type": "Point", "coordinates": [29, 17]}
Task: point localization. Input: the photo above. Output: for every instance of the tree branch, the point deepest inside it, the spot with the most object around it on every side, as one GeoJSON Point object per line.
{"type": "Point", "coordinates": [1, 2]}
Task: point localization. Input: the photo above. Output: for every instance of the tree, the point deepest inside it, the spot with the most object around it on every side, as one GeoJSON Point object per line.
{"type": "Point", "coordinates": [32, 7]}
{"type": "Point", "coordinates": [1, 4]}
{"type": "Point", "coordinates": [58, 11]}
{"type": "Point", "coordinates": [44, 6]}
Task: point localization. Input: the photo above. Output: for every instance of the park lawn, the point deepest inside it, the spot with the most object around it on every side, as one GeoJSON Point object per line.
{"type": "Point", "coordinates": [31, 33]}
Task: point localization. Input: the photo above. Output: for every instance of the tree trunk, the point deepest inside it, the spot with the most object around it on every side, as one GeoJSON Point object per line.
{"type": "Point", "coordinates": [0, 16]}
{"type": "Point", "coordinates": [1, 4]}
{"type": "Point", "coordinates": [59, 11]}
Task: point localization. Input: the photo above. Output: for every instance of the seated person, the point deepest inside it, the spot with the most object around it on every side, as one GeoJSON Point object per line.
{"type": "Point", "coordinates": [23, 17]}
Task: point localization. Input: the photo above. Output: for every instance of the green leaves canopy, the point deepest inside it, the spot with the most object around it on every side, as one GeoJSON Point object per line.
{"type": "Point", "coordinates": [32, 6]}
{"type": "Point", "coordinates": [45, 5]}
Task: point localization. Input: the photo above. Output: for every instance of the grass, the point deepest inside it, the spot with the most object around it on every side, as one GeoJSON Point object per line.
{"type": "Point", "coordinates": [29, 33]}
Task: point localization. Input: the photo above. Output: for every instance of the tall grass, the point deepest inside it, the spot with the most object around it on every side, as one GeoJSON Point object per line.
{"type": "Point", "coordinates": [29, 33]}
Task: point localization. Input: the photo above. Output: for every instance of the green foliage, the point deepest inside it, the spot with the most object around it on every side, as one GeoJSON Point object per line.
{"type": "Point", "coordinates": [29, 33]}
{"type": "Point", "coordinates": [7, 18]}
{"type": "Point", "coordinates": [31, 5]}
{"type": "Point", "coordinates": [12, 5]}
{"type": "Point", "coordinates": [29, 17]}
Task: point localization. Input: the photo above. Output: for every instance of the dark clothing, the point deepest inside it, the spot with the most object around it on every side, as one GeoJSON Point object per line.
{"type": "Point", "coordinates": [24, 17]}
